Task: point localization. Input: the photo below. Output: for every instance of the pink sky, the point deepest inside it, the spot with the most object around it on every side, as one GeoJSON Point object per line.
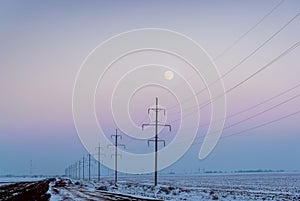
{"type": "Point", "coordinates": [43, 45]}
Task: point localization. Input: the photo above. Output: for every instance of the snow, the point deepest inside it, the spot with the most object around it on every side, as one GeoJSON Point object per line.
{"type": "Point", "coordinates": [223, 187]}
{"type": "Point", "coordinates": [208, 187]}
{"type": "Point", "coordinates": [271, 186]}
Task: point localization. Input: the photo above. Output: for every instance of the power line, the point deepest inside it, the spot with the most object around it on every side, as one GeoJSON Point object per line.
{"type": "Point", "coordinates": [208, 102]}
{"type": "Point", "coordinates": [262, 112]}
{"type": "Point", "coordinates": [248, 31]}
{"type": "Point", "coordinates": [256, 105]}
{"type": "Point", "coordinates": [258, 114]}
{"type": "Point", "coordinates": [253, 106]}
{"type": "Point", "coordinates": [264, 124]}
{"type": "Point", "coordinates": [243, 60]}
{"type": "Point", "coordinates": [266, 66]}
{"type": "Point", "coordinates": [260, 46]}
{"type": "Point", "coordinates": [252, 128]}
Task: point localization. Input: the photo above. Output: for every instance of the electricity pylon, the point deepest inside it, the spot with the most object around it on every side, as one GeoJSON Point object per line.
{"type": "Point", "coordinates": [156, 140]}
{"type": "Point", "coordinates": [116, 145]}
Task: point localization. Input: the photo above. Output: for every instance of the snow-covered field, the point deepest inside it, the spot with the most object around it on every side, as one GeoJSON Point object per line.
{"type": "Point", "coordinates": [270, 186]}
{"type": "Point", "coordinates": [263, 186]}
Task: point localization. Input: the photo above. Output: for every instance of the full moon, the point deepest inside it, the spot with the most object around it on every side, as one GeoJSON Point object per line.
{"type": "Point", "coordinates": [169, 75]}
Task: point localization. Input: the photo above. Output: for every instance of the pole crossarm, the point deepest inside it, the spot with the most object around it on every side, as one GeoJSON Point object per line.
{"type": "Point", "coordinates": [156, 109]}
{"type": "Point", "coordinates": [113, 136]}
{"type": "Point", "coordinates": [157, 141]}
{"type": "Point", "coordinates": [153, 124]}
{"type": "Point", "coordinates": [118, 145]}
{"type": "Point", "coordinates": [114, 155]}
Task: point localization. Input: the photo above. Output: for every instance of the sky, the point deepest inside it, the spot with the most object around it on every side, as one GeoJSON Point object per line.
{"type": "Point", "coordinates": [43, 45]}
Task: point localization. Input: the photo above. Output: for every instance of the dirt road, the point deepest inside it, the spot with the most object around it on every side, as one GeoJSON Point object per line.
{"type": "Point", "coordinates": [60, 189]}
{"type": "Point", "coordinates": [34, 191]}
{"type": "Point", "coordinates": [64, 189]}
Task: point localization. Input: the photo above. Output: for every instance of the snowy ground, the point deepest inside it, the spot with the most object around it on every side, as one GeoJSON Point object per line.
{"type": "Point", "coordinates": [279, 186]}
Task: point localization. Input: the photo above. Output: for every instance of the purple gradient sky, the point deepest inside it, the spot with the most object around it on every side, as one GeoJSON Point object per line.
{"type": "Point", "coordinates": [44, 43]}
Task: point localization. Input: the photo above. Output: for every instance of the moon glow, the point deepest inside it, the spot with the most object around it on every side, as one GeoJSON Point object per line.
{"type": "Point", "coordinates": [168, 75]}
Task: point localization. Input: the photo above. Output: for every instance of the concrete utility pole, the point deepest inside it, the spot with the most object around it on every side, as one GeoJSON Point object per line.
{"type": "Point", "coordinates": [83, 168]}
{"type": "Point", "coordinates": [89, 166]}
{"type": "Point", "coordinates": [30, 168]}
{"type": "Point", "coordinates": [156, 140]}
{"type": "Point", "coordinates": [72, 170]}
{"type": "Point", "coordinates": [116, 145]}
{"type": "Point", "coordinates": [99, 164]}
{"type": "Point", "coordinates": [75, 170]}
{"type": "Point", "coordinates": [79, 169]}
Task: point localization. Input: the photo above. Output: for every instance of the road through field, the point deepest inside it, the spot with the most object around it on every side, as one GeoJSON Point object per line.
{"type": "Point", "coordinates": [36, 190]}
{"type": "Point", "coordinates": [65, 189]}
